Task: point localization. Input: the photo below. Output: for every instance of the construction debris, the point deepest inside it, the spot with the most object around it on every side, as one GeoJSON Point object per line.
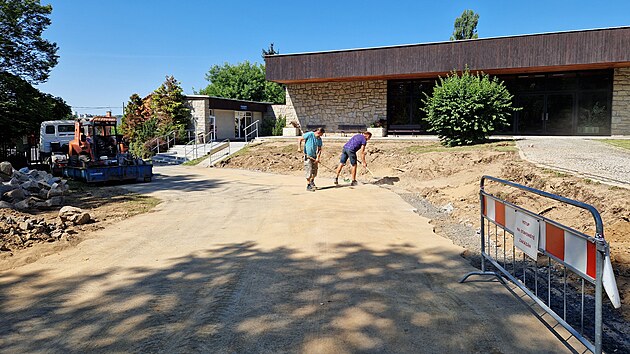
{"type": "Point", "coordinates": [30, 189]}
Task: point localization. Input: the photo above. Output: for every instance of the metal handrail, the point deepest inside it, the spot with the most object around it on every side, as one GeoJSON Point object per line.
{"type": "Point", "coordinates": [253, 131]}
{"type": "Point", "coordinates": [205, 138]}
{"type": "Point", "coordinates": [166, 137]}
{"type": "Point", "coordinates": [218, 143]}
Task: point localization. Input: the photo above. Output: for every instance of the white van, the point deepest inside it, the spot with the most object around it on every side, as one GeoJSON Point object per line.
{"type": "Point", "coordinates": [54, 136]}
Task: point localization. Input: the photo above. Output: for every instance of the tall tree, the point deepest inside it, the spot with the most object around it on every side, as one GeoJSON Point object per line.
{"type": "Point", "coordinates": [160, 113]}
{"type": "Point", "coordinates": [243, 81]}
{"type": "Point", "coordinates": [23, 51]}
{"type": "Point", "coordinates": [466, 26]}
{"type": "Point", "coordinates": [168, 104]}
{"type": "Point", "coordinates": [23, 108]}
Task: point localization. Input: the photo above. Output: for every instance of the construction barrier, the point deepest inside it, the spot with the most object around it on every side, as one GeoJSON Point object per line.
{"type": "Point", "coordinates": [564, 249]}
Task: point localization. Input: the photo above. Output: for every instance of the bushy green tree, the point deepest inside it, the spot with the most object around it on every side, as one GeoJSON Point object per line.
{"type": "Point", "coordinates": [157, 115]}
{"type": "Point", "coordinates": [243, 81]}
{"type": "Point", "coordinates": [23, 51]}
{"type": "Point", "coordinates": [23, 108]}
{"type": "Point", "coordinates": [465, 109]}
{"type": "Point", "coordinates": [466, 26]}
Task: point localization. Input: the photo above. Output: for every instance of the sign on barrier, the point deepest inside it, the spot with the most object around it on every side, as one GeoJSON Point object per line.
{"type": "Point", "coordinates": [564, 249]}
{"type": "Point", "coordinates": [526, 231]}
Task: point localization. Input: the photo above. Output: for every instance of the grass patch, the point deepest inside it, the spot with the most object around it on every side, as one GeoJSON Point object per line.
{"type": "Point", "coordinates": [139, 204]}
{"type": "Point", "coordinates": [622, 143]}
{"type": "Point", "coordinates": [196, 161]}
{"type": "Point", "coordinates": [243, 151]}
{"type": "Point", "coordinates": [502, 146]}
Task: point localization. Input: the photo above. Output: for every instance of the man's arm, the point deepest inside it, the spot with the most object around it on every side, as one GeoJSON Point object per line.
{"type": "Point", "coordinates": [300, 140]}
{"type": "Point", "coordinates": [319, 153]}
{"type": "Point", "coordinates": [363, 156]}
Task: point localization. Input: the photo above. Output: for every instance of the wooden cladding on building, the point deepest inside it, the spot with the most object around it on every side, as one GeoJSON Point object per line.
{"type": "Point", "coordinates": [579, 50]}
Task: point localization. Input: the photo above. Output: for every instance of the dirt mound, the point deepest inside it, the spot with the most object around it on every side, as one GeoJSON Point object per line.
{"type": "Point", "coordinates": [449, 178]}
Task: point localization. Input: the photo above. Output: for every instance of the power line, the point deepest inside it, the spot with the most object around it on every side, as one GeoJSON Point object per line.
{"type": "Point", "coordinates": [96, 107]}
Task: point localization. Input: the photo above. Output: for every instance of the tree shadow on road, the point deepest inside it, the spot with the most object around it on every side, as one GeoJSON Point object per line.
{"type": "Point", "coordinates": [240, 298]}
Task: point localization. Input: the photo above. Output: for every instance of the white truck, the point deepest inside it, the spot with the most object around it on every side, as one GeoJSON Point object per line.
{"type": "Point", "coordinates": [54, 136]}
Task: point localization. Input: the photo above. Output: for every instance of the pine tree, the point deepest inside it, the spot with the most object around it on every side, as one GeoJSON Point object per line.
{"type": "Point", "coordinates": [466, 26]}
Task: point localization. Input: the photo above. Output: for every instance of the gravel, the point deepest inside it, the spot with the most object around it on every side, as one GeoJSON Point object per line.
{"type": "Point", "coordinates": [582, 157]}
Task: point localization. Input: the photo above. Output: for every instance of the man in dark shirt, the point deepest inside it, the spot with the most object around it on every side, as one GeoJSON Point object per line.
{"type": "Point", "coordinates": [349, 151]}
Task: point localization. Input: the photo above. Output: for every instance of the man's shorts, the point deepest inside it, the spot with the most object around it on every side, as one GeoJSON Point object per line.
{"type": "Point", "coordinates": [310, 168]}
{"type": "Point", "coordinates": [345, 154]}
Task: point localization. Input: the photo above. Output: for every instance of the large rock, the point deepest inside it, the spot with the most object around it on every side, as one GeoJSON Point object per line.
{"type": "Point", "coordinates": [6, 205]}
{"type": "Point", "coordinates": [54, 202]}
{"type": "Point", "coordinates": [74, 215]}
{"type": "Point", "coordinates": [6, 168]}
{"type": "Point", "coordinates": [6, 187]}
{"type": "Point", "coordinates": [25, 204]}
{"type": "Point", "coordinates": [55, 190]}
{"type": "Point", "coordinates": [31, 186]}
{"type": "Point", "coordinates": [14, 196]}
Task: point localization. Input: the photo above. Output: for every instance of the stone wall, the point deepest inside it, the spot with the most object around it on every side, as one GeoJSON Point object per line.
{"type": "Point", "coordinates": [200, 111]}
{"type": "Point", "coordinates": [334, 103]}
{"type": "Point", "coordinates": [620, 124]}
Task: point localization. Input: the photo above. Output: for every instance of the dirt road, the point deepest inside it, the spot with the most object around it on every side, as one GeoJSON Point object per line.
{"type": "Point", "coordinates": [244, 262]}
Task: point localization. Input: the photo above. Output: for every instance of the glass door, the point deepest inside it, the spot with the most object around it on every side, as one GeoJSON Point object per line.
{"type": "Point", "coordinates": [559, 114]}
{"type": "Point", "coordinates": [531, 118]}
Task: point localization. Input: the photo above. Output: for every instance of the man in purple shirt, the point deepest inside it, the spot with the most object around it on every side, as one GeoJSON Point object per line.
{"type": "Point", "coordinates": [353, 145]}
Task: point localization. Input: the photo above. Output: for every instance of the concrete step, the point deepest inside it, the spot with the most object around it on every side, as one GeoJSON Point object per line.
{"type": "Point", "coordinates": [168, 159]}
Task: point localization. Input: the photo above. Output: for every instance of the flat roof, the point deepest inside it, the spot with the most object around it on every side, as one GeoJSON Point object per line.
{"type": "Point", "coordinates": [231, 104]}
{"type": "Point", "coordinates": [556, 51]}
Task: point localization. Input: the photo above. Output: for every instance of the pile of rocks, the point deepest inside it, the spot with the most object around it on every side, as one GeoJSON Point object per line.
{"type": "Point", "coordinates": [26, 189]}
{"type": "Point", "coordinates": [22, 230]}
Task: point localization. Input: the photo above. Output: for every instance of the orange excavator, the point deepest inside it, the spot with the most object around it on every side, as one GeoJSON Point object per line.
{"type": "Point", "coordinates": [98, 154]}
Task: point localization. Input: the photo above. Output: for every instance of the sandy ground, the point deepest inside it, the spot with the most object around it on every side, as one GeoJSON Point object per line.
{"type": "Point", "coordinates": [449, 180]}
{"type": "Point", "coordinates": [238, 261]}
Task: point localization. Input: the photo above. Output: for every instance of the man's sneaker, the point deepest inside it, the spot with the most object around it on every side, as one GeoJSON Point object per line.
{"type": "Point", "coordinates": [336, 181]}
{"type": "Point", "coordinates": [309, 187]}
{"type": "Point", "coordinates": [313, 186]}
{"type": "Point", "coordinates": [354, 183]}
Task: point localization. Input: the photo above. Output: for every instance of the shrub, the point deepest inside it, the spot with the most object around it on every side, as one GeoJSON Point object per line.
{"type": "Point", "coordinates": [281, 122]}
{"type": "Point", "coordinates": [465, 109]}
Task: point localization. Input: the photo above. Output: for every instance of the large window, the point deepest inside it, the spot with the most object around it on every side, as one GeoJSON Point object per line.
{"type": "Point", "coordinates": [404, 104]}
{"type": "Point", "coordinates": [567, 103]}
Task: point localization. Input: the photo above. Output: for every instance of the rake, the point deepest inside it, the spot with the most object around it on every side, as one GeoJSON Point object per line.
{"type": "Point", "coordinates": [344, 178]}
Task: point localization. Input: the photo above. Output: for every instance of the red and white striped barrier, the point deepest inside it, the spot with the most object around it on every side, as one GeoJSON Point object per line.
{"type": "Point", "coordinates": [569, 248]}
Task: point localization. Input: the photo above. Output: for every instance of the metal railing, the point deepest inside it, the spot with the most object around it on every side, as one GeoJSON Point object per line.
{"type": "Point", "coordinates": [585, 257]}
{"type": "Point", "coordinates": [252, 131]}
{"type": "Point", "coordinates": [216, 148]}
{"type": "Point", "coordinates": [168, 139]}
{"type": "Point", "coordinates": [201, 141]}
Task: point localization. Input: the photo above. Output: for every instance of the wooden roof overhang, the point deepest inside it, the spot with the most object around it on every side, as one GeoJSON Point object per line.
{"type": "Point", "coordinates": [549, 52]}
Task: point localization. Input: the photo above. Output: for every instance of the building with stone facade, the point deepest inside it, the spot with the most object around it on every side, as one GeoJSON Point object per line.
{"type": "Point", "coordinates": [225, 118]}
{"type": "Point", "coordinates": [567, 83]}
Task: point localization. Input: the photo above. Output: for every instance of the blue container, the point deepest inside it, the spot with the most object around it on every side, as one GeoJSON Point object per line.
{"type": "Point", "coordinates": [136, 173]}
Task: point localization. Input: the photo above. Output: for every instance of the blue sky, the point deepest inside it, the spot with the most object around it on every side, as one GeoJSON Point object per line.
{"type": "Point", "coordinates": [111, 49]}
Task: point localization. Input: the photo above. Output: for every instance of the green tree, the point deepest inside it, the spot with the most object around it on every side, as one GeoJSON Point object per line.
{"type": "Point", "coordinates": [23, 51]}
{"type": "Point", "coordinates": [168, 105]}
{"type": "Point", "coordinates": [466, 26]}
{"type": "Point", "coordinates": [23, 108]}
{"type": "Point", "coordinates": [160, 113]}
{"type": "Point", "coordinates": [243, 81]}
{"type": "Point", "coordinates": [465, 109]}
